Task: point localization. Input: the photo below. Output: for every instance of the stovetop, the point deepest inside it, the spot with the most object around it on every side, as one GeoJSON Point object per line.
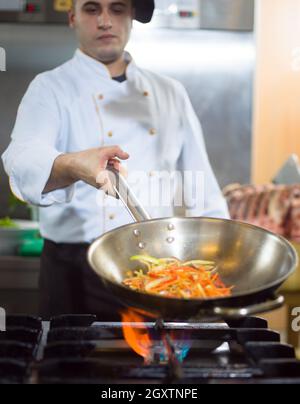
{"type": "Point", "coordinates": [84, 350]}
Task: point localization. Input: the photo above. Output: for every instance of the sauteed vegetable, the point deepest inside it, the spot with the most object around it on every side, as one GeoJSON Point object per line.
{"type": "Point", "coordinates": [171, 277]}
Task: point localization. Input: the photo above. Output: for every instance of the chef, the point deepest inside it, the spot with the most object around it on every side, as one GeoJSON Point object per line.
{"type": "Point", "coordinates": [97, 109]}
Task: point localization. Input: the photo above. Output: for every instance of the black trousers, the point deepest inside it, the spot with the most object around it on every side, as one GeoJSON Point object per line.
{"type": "Point", "coordinates": [69, 286]}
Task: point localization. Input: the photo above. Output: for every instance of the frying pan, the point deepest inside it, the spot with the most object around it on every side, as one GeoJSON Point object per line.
{"type": "Point", "coordinates": [255, 261]}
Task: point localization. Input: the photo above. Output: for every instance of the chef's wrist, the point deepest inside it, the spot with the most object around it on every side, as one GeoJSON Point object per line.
{"type": "Point", "coordinates": [70, 163]}
{"type": "Point", "coordinates": [62, 174]}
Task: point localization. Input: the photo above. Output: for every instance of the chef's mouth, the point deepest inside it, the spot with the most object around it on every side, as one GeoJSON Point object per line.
{"type": "Point", "coordinates": [106, 37]}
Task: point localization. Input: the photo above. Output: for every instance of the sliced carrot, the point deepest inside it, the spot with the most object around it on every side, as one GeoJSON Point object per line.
{"type": "Point", "coordinates": [172, 278]}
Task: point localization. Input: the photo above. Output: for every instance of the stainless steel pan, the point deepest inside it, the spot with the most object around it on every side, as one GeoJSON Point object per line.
{"type": "Point", "coordinates": [254, 260]}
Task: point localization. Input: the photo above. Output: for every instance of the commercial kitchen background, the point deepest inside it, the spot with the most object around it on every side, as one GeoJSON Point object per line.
{"type": "Point", "coordinates": [239, 64]}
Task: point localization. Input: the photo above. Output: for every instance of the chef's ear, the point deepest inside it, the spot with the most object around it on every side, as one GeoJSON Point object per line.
{"type": "Point", "coordinates": [72, 18]}
{"type": "Point", "coordinates": [72, 14]}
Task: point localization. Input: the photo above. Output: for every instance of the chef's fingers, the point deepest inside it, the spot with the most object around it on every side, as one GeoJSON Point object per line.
{"type": "Point", "coordinates": [108, 153]}
{"type": "Point", "coordinates": [112, 152]}
{"type": "Point", "coordinates": [119, 167]}
{"type": "Point", "coordinates": [106, 182]}
{"type": "Point", "coordinates": [115, 163]}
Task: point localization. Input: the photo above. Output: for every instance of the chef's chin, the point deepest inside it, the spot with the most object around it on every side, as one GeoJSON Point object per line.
{"type": "Point", "coordinates": [108, 56]}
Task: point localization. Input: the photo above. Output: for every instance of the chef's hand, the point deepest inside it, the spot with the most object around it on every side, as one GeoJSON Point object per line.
{"type": "Point", "coordinates": [88, 166]}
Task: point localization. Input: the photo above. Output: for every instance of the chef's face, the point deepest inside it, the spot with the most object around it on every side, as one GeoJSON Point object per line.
{"type": "Point", "coordinates": [103, 27]}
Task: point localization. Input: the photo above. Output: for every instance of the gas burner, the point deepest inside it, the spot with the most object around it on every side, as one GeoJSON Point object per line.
{"type": "Point", "coordinates": [83, 349]}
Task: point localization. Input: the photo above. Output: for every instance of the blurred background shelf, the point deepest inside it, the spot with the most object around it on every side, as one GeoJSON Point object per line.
{"type": "Point", "coordinates": [19, 284]}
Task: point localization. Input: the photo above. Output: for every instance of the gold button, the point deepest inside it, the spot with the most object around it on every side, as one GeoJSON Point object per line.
{"type": "Point", "coordinates": [101, 97]}
{"type": "Point", "coordinates": [152, 131]}
{"type": "Point", "coordinates": [110, 134]}
{"type": "Point", "coordinates": [111, 217]}
{"type": "Point", "coordinates": [145, 94]}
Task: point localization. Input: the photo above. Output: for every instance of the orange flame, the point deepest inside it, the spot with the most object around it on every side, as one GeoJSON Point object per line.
{"type": "Point", "coordinates": [136, 333]}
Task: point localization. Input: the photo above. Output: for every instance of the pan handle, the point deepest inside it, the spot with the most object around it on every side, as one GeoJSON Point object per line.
{"type": "Point", "coordinates": [232, 312]}
{"type": "Point", "coordinates": [127, 196]}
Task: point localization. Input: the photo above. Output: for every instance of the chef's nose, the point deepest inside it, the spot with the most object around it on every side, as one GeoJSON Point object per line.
{"type": "Point", "coordinates": [104, 20]}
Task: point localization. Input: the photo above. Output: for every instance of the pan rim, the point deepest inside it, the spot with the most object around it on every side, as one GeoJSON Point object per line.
{"type": "Point", "coordinates": [274, 285]}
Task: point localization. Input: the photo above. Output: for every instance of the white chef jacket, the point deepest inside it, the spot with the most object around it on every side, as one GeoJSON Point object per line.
{"type": "Point", "coordinates": [77, 106]}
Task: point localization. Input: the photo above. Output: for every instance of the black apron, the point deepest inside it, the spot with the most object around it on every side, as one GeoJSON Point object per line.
{"type": "Point", "coordinates": [69, 286]}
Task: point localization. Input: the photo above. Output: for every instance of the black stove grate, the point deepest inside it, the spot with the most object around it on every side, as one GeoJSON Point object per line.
{"type": "Point", "coordinates": [80, 349]}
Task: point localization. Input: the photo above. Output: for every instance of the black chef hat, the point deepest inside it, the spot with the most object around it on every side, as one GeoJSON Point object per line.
{"type": "Point", "coordinates": [143, 10]}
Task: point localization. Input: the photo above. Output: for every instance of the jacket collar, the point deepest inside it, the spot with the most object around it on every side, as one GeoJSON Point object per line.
{"type": "Point", "coordinates": [93, 66]}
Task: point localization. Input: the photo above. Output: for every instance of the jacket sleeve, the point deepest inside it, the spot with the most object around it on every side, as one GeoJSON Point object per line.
{"type": "Point", "coordinates": [201, 193]}
{"type": "Point", "coordinates": [29, 158]}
